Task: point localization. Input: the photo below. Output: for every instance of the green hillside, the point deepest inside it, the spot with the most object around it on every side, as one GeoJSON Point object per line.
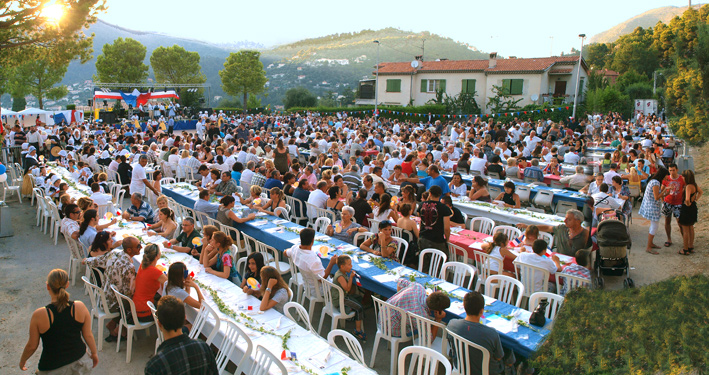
{"type": "Point", "coordinates": [644, 20]}
{"type": "Point", "coordinates": [329, 64]}
{"type": "Point", "coordinates": [335, 63]}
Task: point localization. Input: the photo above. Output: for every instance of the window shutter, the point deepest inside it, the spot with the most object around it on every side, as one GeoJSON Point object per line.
{"type": "Point", "coordinates": [442, 85]}
{"type": "Point", "coordinates": [516, 86]}
{"type": "Point", "coordinates": [424, 85]}
{"type": "Point", "coordinates": [397, 85]}
{"type": "Point", "coordinates": [506, 86]}
{"type": "Point", "coordinates": [468, 86]}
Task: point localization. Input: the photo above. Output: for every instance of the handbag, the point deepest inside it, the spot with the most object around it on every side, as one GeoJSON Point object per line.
{"type": "Point", "coordinates": [537, 318]}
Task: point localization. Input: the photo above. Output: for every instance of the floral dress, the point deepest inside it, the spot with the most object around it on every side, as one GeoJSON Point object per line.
{"type": "Point", "coordinates": [650, 208]}
{"type": "Point", "coordinates": [226, 260]}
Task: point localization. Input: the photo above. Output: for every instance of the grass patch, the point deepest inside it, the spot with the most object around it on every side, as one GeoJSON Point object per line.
{"type": "Point", "coordinates": [663, 327]}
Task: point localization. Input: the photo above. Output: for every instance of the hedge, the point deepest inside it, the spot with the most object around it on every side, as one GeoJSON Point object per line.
{"type": "Point", "coordinates": [663, 327]}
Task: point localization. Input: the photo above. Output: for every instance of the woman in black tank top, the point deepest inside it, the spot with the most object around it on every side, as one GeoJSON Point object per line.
{"type": "Point", "coordinates": [61, 326]}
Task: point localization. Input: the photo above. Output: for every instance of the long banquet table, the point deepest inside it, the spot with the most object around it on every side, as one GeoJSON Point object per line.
{"type": "Point", "coordinates": [559, 194]}
{"type": "Point", "coordinates": [266, 329]}
{"type": "Point", "coordinates": [282, 234]}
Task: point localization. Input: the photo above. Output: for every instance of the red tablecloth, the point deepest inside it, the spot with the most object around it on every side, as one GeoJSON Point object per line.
{"type": "Point", "coordinates": [371, 152]}
{"type": "Point", "coordinates": [465, 238]}
{"type": "Point", "coordinates": [548, 178]}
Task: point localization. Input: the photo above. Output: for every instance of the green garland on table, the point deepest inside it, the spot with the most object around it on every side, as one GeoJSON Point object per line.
{"type": "Point", "coordinates": [250, 323]}
{"type": "Point", "coordinates": [379, 263]}
{"type": "Point", "coordinates": [510, 317]}
{"type": "Point", "coordinates": [439, 289]}
{"type": "Point", "coordinates": [513, 211]}
{"type": "Point", "coordinates": [73, 185]}
{"type": "Point", "coordinates": [142, 241]}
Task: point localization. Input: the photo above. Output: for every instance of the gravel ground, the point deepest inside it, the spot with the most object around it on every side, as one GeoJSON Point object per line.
{"type": "Point", "coordinates": [27, 257]}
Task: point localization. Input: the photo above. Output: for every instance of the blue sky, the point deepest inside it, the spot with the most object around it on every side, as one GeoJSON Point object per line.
{"type": "Point", "coordinates": [510, 27]}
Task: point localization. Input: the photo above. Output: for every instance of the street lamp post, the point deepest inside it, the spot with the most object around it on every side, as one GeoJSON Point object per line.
{"type": "Point", "coordinates": [376, 85]}
{"type": "Point", "coordinates": [654, 81]}
{"type": "Point", "coordinates": [578, 77]}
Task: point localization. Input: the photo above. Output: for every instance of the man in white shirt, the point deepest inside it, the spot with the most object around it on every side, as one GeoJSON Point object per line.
{"type": "Point", "coordinates": [477, 163]}
{"type": "Point", "coordinates": [248, 173]}
{"type": "Point", "coordinates": [538, 259]}
{"type": "Point", "coordinates": [571, 157]}
{"type": "Point", "coordinates": [307, 261]}
{"type": "Point", "coordinates": [531, 140]}
{"type": "Point", "coordinates": [608, 176]}
{"type": "Point", "coordinates": [446, 164]}
{"type": "Point", "coordinates": [318, 198]}
{"type": "Point", "coordinates": [98, 197]}
{"type": "Point", "coordinates": [139, 181]}
{"type": "Point", "coordinates": [394, 161]}
{"type": "Point", "coordinates": [241, 156]}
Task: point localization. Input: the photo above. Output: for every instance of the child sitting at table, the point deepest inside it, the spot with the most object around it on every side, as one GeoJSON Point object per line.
{"type": "Point", "coordinates": [274, 292]}
{"type": "Point", "coordinates": [499, 251]}
{"type": "Point", "coordinates": [344, 278]}
{"type": "Point", "coordinates": [254, 264]}
{"type": "Point", "coordinates": [222, 263]}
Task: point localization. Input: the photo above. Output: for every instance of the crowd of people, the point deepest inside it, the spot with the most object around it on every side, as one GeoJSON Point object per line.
{"type": "Point", "coordinates": [363, 171]}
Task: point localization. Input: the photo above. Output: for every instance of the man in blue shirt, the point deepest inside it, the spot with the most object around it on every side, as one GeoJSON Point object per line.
{"type": "Point", "coordinates": [273, 181]}
{"type": "Point", "coordinates": [534, 171]}
{"type": "Point", "coordinates": [139, 210]}
{"type": "Point", "coordinates": [434, 178]}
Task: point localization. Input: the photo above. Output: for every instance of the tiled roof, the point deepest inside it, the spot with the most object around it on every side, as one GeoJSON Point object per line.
{"type": "Point", "coordinates": [503, 65]}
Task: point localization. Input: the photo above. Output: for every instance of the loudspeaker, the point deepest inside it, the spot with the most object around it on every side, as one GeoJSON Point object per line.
{"type": "Point", "coordinates": [91, 103]}
{"type": "Point", "coordinates": [105, 103]}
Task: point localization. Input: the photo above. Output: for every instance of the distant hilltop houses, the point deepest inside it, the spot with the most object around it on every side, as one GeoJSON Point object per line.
{"type": "Point", "coordinates": [534, 80]}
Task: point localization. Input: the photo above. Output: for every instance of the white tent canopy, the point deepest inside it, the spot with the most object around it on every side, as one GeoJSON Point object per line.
{"type": "Point", "coordinates": [7, 112]}
{"type": "Point", "coordinates": [31, 114]}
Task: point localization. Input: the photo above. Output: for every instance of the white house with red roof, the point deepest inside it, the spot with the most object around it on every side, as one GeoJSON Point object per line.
{"type": "Point", "coordinates": [534, 80]}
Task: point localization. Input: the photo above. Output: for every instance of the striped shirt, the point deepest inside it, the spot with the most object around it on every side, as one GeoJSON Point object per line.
{"type": "Point", "coordinates": [181, 356]}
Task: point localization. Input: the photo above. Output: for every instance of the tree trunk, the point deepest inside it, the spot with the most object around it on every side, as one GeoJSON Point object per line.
{"type": "Point", "coordinates": [246, 105]}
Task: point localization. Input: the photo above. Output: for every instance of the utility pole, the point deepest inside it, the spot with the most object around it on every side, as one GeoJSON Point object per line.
{"type": "Point", "coordinates": [376, 85]}
{"type": "Point", "coordinates": [578, 77]}
{"type": "Point", "coordinates": [423, 48]}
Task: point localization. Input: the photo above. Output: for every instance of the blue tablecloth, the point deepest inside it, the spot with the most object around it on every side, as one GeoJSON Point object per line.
{"type": "Point", "coordinates": [524, 342]}
{"type": "Point", "coordinates": [559, 194]}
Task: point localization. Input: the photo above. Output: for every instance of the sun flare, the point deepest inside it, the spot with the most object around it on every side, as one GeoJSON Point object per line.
{"type": "Point", "coordinates": [53, 12]}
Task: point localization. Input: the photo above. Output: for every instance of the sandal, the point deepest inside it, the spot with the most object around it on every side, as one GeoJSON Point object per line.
{"type": "Point", "coordinates": [683, 252]}
{"type": "Point", "coordinates": [668, 244]}
{"type": "Point", "coordinates": [360, 335]}
{"type": "Point", "coordinates": [691, 250]}
{"type": "Point", "coordinates": [651, 251]}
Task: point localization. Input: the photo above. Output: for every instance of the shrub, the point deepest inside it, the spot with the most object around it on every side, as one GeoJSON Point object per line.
{"type": "Point", "coordinates": [663, 327]}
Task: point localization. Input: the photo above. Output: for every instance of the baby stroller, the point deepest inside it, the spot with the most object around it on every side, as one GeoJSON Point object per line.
{"type": "Point", "coordinates": [612, 258]}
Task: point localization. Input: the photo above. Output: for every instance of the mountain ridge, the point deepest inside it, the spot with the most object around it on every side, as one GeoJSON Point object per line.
{"type": "Point", "coordinates": [646, 19]}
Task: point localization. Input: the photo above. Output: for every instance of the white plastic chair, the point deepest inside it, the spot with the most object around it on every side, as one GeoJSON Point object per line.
{"type": "Point", "coordinates": [232, 335]}
{"type": "Point", "coordinates": [544, 199]}
{"type": "Point", "coordinates": [297, 209]}
{"type": "Point", "coordinates": [485, 225]}
{"type": "Point", "coordinates": [424, 337]}
{"type": "Point", "coordinates": [99, 308]}
{"type": "Point", "coordinates": [75, 257]}
{"type": "Point", "coordinates": [12, 190]}
{"type": "Point", "coordinates": [263, 361]}
{"type": "Point", "coordinates": [503, 288]}
{"type": "Point", "coordinates": [424, 360]}
{"type": "Point", "coordinates": [353, 346]}
{"type": "Point", "coordinates": [296, 281]}
{"type": "Point", "coordinates": [460, 272]}
{"type": "Point", "coordinates": [510, 231]}
{"type": "Point", "coordinates": [524, 192]}
{"type": "Point", "coordinates": [528, 275]}
{"type": "Point", "coordinates": [302, 315]}
{"type": "Point", "coordinates": [384, 314]}
{"type": "Point", "coordinates": [437, 259]}
{"type": "Point", "coordinates": [336, 309]}
{"type": "Point", "coordinates": [402, 248]}
{"type": "Point", "coordinates": [548, 237]}
{"type": "Point", "coordinates": [282, 213]}
{"type": "Point", "coordinates": [458, 253]}
{"type": "Point", "coordinates": [137, 325]}
{"type": "Point", "coordinates": [160, 338]}
{"type": "Point", "coordinates": [482, 264]}
{"type": "Point", "coordinates": [571, 282]}
{"type": "Point", "coordinates": [360, 237]}
{"type": "Point", "coordinates": [273, 258]}
{"type": "Point", "coordinates": [205, 311]}
{"type": "Point", "coordinates": [563, 206]}
{"type": "Point", "coordinates": [36, 192]}
{"type": "Point", "coordinates": [463, 363]}
{"type": "Point", "coordinates": [167, 180]}
{"type": "Point", "coordinates": [55, 221]}
{"type": "Point", "coordinates": [311, 289]}
{"type": "Point", "coordinates": [555, 302]}
{"type": "Point", "coordinates": [321, 224]}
